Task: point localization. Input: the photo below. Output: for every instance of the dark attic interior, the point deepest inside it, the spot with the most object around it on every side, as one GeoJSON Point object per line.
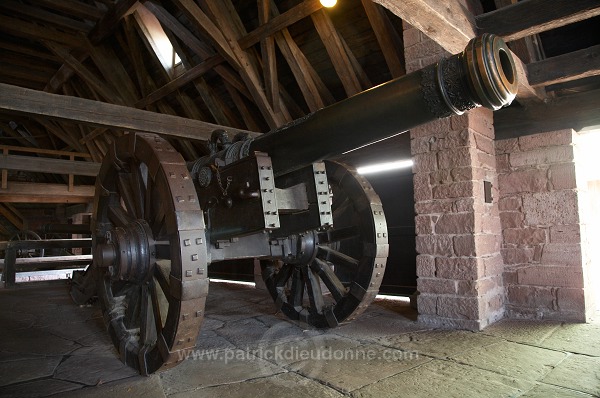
{"type": "Point", "coordinates": [366, 198]}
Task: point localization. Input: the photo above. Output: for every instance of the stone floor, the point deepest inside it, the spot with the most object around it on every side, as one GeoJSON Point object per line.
{"type": "Point", "coordinates": [49, 346]}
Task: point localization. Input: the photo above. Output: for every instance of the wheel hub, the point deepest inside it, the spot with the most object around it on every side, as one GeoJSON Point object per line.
{"type": "Point", "coordinates": [128, 252]}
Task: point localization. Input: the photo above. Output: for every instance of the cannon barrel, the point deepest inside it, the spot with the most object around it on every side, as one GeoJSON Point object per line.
{"type": "Point", "coordinates": [483, 74]}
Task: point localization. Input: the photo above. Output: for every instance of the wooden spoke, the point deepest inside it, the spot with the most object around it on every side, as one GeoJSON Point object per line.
{"type": "Point", "coordinates": [336, 257]}
{"type": "Point", "coordinates": [297, 289]}
{"type": "Point", "coordinates": [313, 288]}
{"type": "Point", "coordinates": [335, 286]}
{"type": "Point", "coordinates": [119, 217]}
{"type": "Point", "coordinates": [124, 184]}
{"type": "Point", "coordinates": [339, 234]}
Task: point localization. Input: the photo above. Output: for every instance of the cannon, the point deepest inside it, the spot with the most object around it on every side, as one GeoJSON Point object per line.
{"type": "Point", "coordinates": [316, 226]}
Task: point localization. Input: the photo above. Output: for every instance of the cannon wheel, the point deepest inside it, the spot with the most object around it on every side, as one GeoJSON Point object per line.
{"type": "Point", "coordinates": [344, 276]}
{"type": "Point", "coordinates": [150, 253]}
{"type": "Point", "coordinates": [28, 235]}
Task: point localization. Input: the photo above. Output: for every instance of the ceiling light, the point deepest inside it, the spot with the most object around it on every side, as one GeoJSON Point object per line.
{"type": "Point", "coordinates": [376, 168]}
{"type": "Point", "coordinates": [328, 3]}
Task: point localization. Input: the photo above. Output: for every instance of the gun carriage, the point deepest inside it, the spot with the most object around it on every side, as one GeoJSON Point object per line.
{"type": "Point", "coordinates": [316, 225]}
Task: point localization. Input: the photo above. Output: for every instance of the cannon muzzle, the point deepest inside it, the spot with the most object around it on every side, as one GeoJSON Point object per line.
{"type": "Point", "coordinates": [483, 74]}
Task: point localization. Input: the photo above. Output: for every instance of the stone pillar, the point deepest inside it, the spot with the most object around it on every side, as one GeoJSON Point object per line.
{"type": "Point", "coordinates": [459, 266]}
{"type": "Point", "coordinates": [541, 209]}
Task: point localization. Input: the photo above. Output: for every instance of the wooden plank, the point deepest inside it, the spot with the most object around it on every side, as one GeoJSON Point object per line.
{"type": "Point", "coordinates": [4, 171]}
{"type": "Point", "coordinates": [20, 28]}
{"type": "Point", "coordinates": [208, 28]}
{"type": "Point", "coordinates": [63, 74]}
{"type": "Point", "coordinates": [42, 151]}
{"type": "Point", "coordinates": [11, 217]}
{"type": "Point", "coordinates": [24, 49]}
{"type": "Point", "coordinates": [113, 71]}
{"type": "Point", "coordinates": [280, 22]}
{"type": "Point", "coordinates": [19, 192]}
{"type": "Point", "coordinates": [448, 23]}
{"type": "Point", "coordinates": [85, 74]}
{"type": "Point", "coordinates": [73, 7]}
{"type": "Point", "coordinates": [94, 113]}
{"type": "Point", "coordinates": [575, 111]}
{"type": "Point", "coordinates": [566, 67]}
{"type": "Point", "coordinates": [337, 53]}
{"type": "Point", "coordinates": [48, 165]}
{"type": "Point", "coordinates": [529, 17]}
{"type": "Point", "coordinates": [180, 81]}
{"type": "Point", "coordinates": [296, 60]}
{"type": "Point", "coordinates": [44, 16]}
{"type": "Point", "coordinates": [242, 107]}
{"type": "Point", "coordinates": [110, 21]}
{"type": "Point", "coordinates": [269, 60]}
{"type": "Point", "coordinates": [388, 38]}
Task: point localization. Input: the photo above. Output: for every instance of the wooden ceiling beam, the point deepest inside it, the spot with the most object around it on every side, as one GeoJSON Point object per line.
{"type": "Point", "coordinates": [337, 53]}
{"type": "Point", "coordinates": [100, 114]}
{"type": "Point", "coordinates": [269, 58]}
{"type": "Point", "coordinates": [38, 164]}
{"type": "Point", "coordinates": [26, 192]}
{"type": "Point", "coordinates": [110, 20]}
{"type": "Point", "coordinates": [279, 22]}
{"type": "Point", "coordinates": [94, 81]}
{"type": "Point", "coordinates": [73, 7]}
{"type": "Point", "coordinates": [529, 17]}
{"type": "Point", "coordinates": [28, 30]}
{"type": "Point", "coordinates": [44, 16]}
{"type": "Point", "coordinates": [576, 111]}
{"type": "Point", "coordinates": [566, 67]}
{"type": "Point", "coordinates": [180, 81]}
{"type": "Point", "coordinates": [388, 38]}
{"type": "Point", "coordinates": [448, 23]}
{"type": "Point", "coordinates": [13, 218]}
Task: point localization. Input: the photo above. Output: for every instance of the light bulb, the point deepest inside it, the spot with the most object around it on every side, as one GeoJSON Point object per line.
{"type": "Point", "coordinates": [328, 3]}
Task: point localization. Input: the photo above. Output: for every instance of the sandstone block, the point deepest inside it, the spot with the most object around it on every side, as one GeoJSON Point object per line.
{"type": "Point", "coordinates": [458, 307]}
{"type": "Point", "coordinates": [562, 176]}
{"type": "Point", "coordinates": [456, 190]}
{"type": "Point", "coordinates": [424, 224]}
{"type": "Point", "coordinates": [551, 208]}
{"type": "Point", "coordinates": [434, 207]}
{"type": "Point", "coordinates": [432, 128]}
{"type": "Point", "coordinates": [510, 145]}
{"type": "Point", "coordinates": [425, 163]}
{"type": "Point", "coordinates": [509, 203]}
{"type": "Point", "coordinates": [550, 276]}
{"type": "Point", "coordinates": [502, 163]}
{"type": "Point", "coordinates": [568, 254]}
{"type": "Point", "coordinates": [511, 219]}
{"type": "Point", "coordinates": [436, 286]}
{"type": "Point", "coordinates": [571, 300]}
{"type": "Point", "coordinates": [451, 158]}
{"type": "Point", "coordinates": [464, 245]}
{"type": "Point", "coordinates": [532, 297]}
{"type": "Point", "coordinates": [439, 245]}
{"type": "Point", "coordinates": [517, 255]}
{"type": "Point", "coordinates": [533, 180]}
{"type": "Point", "coordinates": [455, 223]}
{"type": "Point", "coordinates": [453, 139]}
{"type": "Point", "coordinates": [536, 157]}
{"type": "Point", "coordinates": [554, 138]}
{"type": "Point", "coordinates": [427, 303]}
{"type": "Point", "coordinates": [484, 143]}
{"type": "Point", "coordinates": [411, 37]}
{"type": "Point", "coordinates": [565, 233]}
{"type": "Point", "coordinates": [458, 268]}
{"type": "Point", "coordinates": [425, 266]}
{"type": "Point", "coordinates": [525, 236]}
